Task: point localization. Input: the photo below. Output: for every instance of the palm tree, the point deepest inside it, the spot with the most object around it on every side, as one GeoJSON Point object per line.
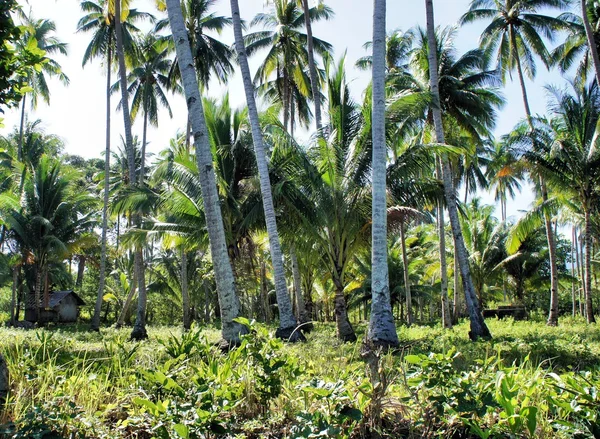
{"type": "Point", "coordinates": [228, 300]}
{"type": "Point", "coordinates": [504, 174]}
{"type": "Point", "coordinates": [147, 83]}
{"type": "Point", "coordinates": [515, 34]}
{"type": "Point", "coordinates": [100, 20]}
{"type": "Point", "coordinates": [478, 326]}
{"type": "Point", "coordinates": [591, 38]}
{"type": "Point", "coordinates": [212, 58]}
{"type": "Point", "coordinates": [287, 321]}
{"type": "Point", "coordinates": [40, 32]}
{"type": "Point", "coordinates": [382, 330]}
{"type": "Point", "coordinates": [49, 222]}
{"type": "Point", "coordinates": [139, 329]}
{"type": "Point", "coordinates": [287, 57]}
{"type": "Point", "coordinates": [312, 67]}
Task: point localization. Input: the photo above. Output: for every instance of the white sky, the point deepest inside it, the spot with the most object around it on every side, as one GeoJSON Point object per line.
{"type": "Point", "coordinates": [77, 112]}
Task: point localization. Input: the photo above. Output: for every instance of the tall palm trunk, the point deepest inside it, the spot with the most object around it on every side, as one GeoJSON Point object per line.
{"type": "Point", "coordinates": [573, 295]}
{"type": "Point", "coordinates": [478, 326]}
{"type": "Point", "coordinates": [382, 329]}
{"type": "Point", "coordinates": [185, 295]}
{"type": "Point", "coordinates": [287, 321]}
{"type": "Point", "coordinates": [589, 33]}
{"type": "Point", "coordinates": [409, 314]}
{"type": "Point", "coordinates": [81, 260]}
{"type": "Point", "coordinates": [446, 317]}
{"type": "Point", "coordinates": [456, 304]}
{"type": "Point", "coordinates": [132, 290]}
{"type": "Point", "coordinates": [345, 332]}
{"type": "Point", "coordinates": [13, 299]}
{"type": "Point", "coordinates": [21, 128]}
{"type": "Point", "coordinates": [102, 281]}
{"type": "Point", "coordinates": [139, 330]}
{"type": "Point", "coordinates": [589, 307]}
{"type": "Point", "coordinates": [229, 303]}
{"type": "Point", "coordinates": [300, 306]}
{"type": "Point", "coordinates": [312, 68]}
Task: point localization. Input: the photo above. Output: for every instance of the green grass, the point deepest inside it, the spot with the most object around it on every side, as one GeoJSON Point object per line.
{"type": "Point", "coordinates": [529, 381]}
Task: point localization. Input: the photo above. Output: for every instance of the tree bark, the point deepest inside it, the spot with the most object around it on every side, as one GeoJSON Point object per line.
{"type": "Point", "coordinates": [382, 329]}
{"type": "Point", "coordinates": [185, 295]}
{"type": "Point", "coordinates": [312, 68]}
{"type": "Point", "coordinates": [98, 307]}
{"type": "Point", "coordinates": [229, 303]}
{"type": "Point", "coordinates": [409, 314]}
{"type": "Point", "coordinates": [478, 326]}
{"type": "Point", "coordinates": [457, 311]}
{"type": "Point", "coordinates": [553, 312]}
{"type": "Point", "coordinates": [573, 295]}
{"type": "Point", "coordinates": [589, 33]}
{"type": "Point", "coordinates": [286, 316]}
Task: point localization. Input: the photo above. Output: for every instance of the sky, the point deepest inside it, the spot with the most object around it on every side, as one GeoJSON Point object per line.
{"type": "Point", "coordinates": [77, 113]}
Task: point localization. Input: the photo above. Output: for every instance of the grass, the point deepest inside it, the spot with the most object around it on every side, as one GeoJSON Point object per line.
{"type": "Point", "coordinates": [529, 381]}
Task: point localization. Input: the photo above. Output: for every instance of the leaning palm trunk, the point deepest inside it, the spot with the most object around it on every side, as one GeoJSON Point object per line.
{"type": "Point", "coordinates": [287, 321]}
{"type": "Point", "coordinates": [185, 295]}
{"type": "Point", "coordinates": [382, 330]}
{"type": "Point", "coordinates": [553, 313]}
{"type": "Point", "coordinates": [20, 144]}
{"type": "Point", "coordinates": [478, 326]}
{"type": "Point", "coordinates": [229, 303]}
{"type": "Point", "coordinates": [589, 33]}
{"type": "Point", "coordinates": [102, 281]}
{"type": "Point", "coordinates": [446, 318]}
{"type": "Point", "coordinates": [312, 69]}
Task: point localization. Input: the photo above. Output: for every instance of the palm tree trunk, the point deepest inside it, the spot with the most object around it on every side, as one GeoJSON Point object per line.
{"type": "Point", "coordinates": [38, 292]}
{"type": "Point", "coordinates": [456, 304]}
{"type": "Point", "coordinates": [81, 259]}
{"type": "Point", "coordinates": [139, 328]}
{"type": "Point", "coordinates": [382, 329]}
{"type": "Point", "coordinates": [102, 281]}
{"type": "Point", "coordinates": [478, 326]}
{"type": "Point", "coordinates": [13, 300]}
{"type": "Point", "coordinates": [229, 303]}
{"type": "Point", "coordinates": [407, 293]}
{"type": "Point", "coordinates": [21, 128]}
{"type": "Point", "coordinates": [345, 331]}
{"type": "Point", "coordinates": [553, 313]}
{"type": "Point", "coordinates": [263, 291]}
{"type": "Point", "coordinates": [521, 78]}
{"type": "Point", "coordinates": [185, 295]}
{"type": "Point", "coordinates": [287, 321]}
{"type": "Point", "coordinates": [300, 306]}
{"type": "Point", "coordinates": [589, 307]}
{"type": "Point", "coordinates": [312, 68]}
{"type": "Point", "coordinates": [573, 295]}
{"type": "Point", "coordinates": [128, 300]}
{"type": "Point", "coordinates": [589, 33]}
{"type": "Point", "coordinates": [446, 316]}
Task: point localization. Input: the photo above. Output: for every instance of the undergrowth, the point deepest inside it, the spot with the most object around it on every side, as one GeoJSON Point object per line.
{"type": "Point", "coordinates": [529, 381]}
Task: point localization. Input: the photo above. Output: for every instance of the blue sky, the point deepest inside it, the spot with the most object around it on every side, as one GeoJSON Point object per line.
{"type": "Point", "coordinates": [77, 113]}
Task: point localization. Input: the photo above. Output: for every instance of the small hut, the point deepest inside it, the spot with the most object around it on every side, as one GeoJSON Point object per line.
{"type": "Point", "coordinates": [63, 307]}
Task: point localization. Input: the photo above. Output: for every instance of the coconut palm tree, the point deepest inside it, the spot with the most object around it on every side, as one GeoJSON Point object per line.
{"type": "Point", "coordinates": [40, 32]}
{"type": "Point", "coordinates": [228, 300]}
{"type": "Point", "coordinates": [504, 174]}
{"type": "Point", "coordinates": [516, 34]}
{"type": "Point", "coordinates": [478, 326]}
{"type": "Point", "coordinates": [100, 20]}
{"type": "Point", "coordinates": [287, 57]}
{"type": "Point", "coordinates": [49, 222]}
{"type": "Point", "coordinates": [212, 58]}
{"type": "Point", "coordinates": [287, 321]}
